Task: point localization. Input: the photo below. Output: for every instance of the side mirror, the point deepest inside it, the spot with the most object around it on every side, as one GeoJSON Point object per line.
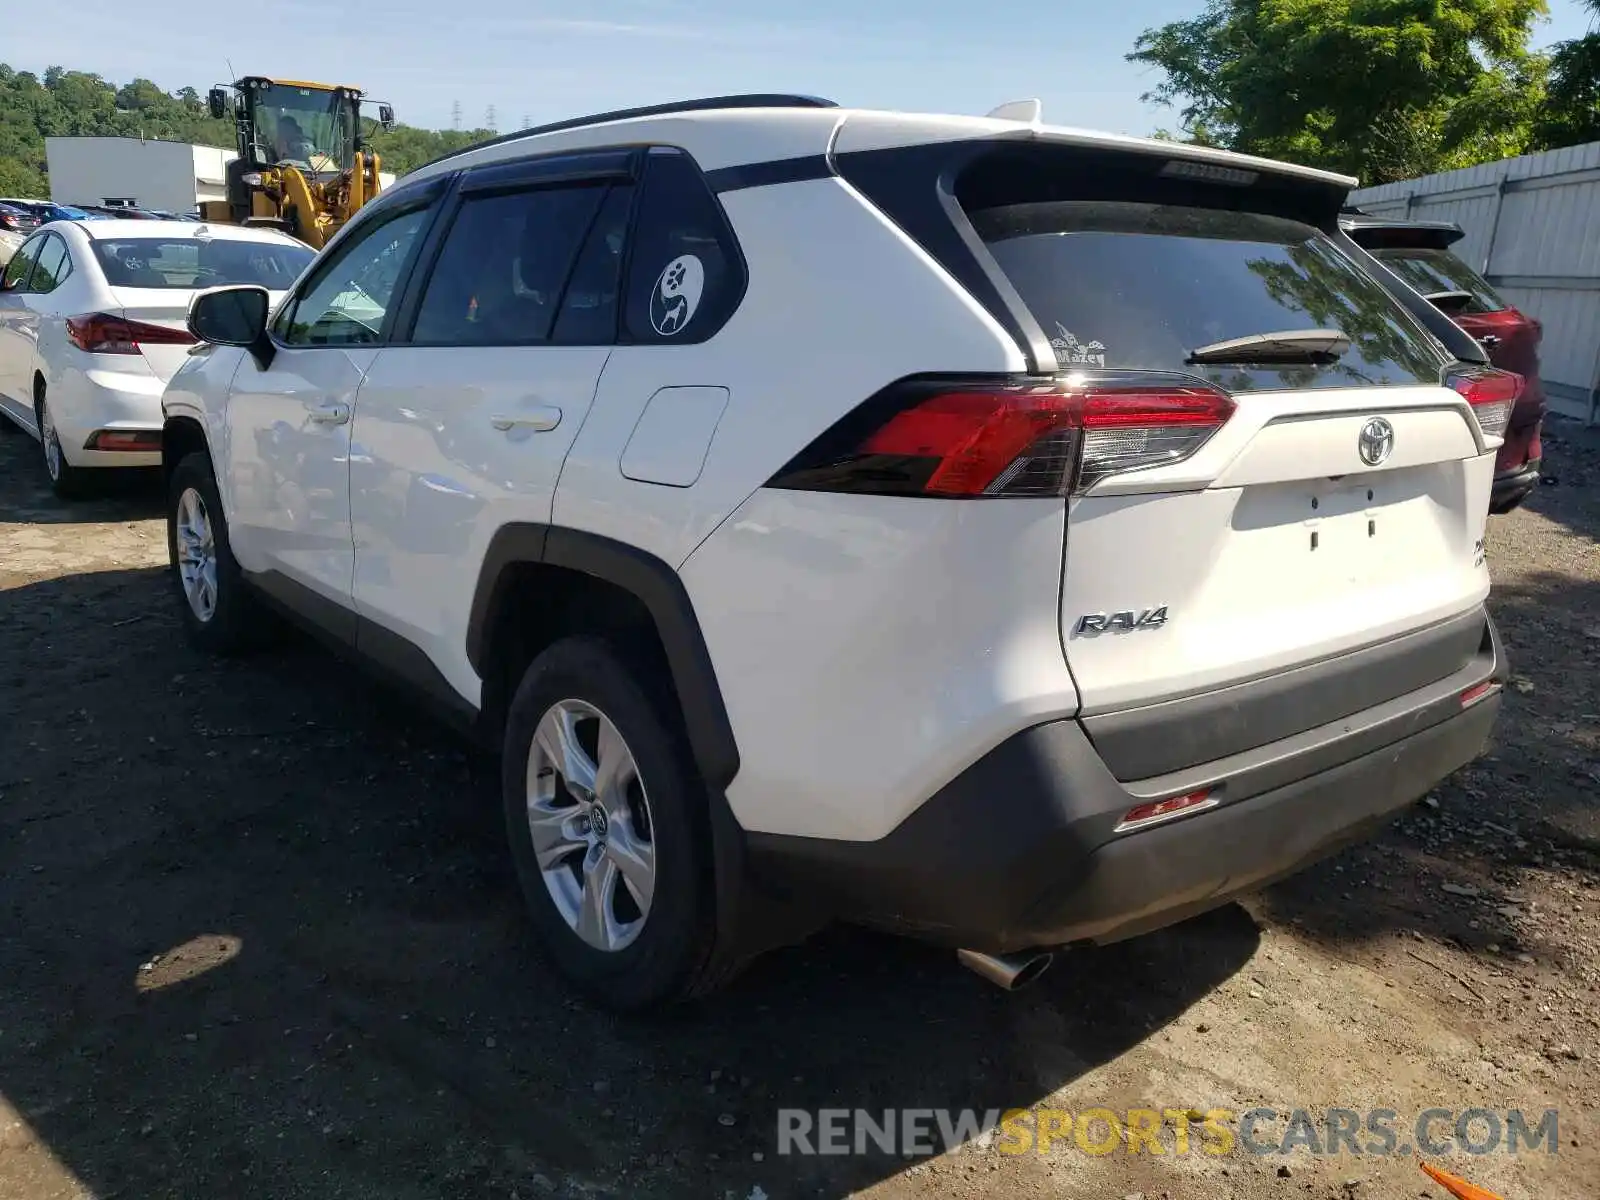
{"type": "Point", "coordinates": [234, 316]}
{"type": "Point", "coordinates": [386, 115]}
{"type": "Point", "coordinates": [217, 101]}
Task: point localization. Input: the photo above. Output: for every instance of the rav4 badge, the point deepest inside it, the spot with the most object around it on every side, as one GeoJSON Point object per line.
{"type": "Point", "coordinates": [1150, 618]}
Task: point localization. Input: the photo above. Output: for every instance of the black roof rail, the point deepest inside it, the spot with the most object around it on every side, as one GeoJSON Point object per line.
{"type": "Point", "coordinates": [704, 104]}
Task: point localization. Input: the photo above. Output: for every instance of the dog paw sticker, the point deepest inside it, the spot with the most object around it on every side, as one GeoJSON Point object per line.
{"type": "Point", "coordinates": [677, 295]}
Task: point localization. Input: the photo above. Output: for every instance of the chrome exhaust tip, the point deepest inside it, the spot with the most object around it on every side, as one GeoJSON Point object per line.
{"type": "Point", "coordinates": [1008, 971]}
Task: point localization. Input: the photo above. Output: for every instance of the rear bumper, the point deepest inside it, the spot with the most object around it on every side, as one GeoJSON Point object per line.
{"type": "Point", "coordinates": [1512, 487]}
{"type": "Point", "coordinates": [85, 402]}
{"type": "Point", "coordinates": [1021, 849]}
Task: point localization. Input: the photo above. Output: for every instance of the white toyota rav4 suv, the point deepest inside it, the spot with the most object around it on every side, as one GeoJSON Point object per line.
{"type": "Point", "coordinates": [1004, 534]}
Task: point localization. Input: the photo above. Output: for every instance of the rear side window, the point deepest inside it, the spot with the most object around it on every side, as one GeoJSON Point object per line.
{"type": "Point", "coordinates": [52, 267]}
{"type": "Point", "coordinates": [504, 266]}
{"type": "Point", "coordinates": [1143, 286]}
{"type": "Point", "coordinates": [1433, 272]}
{"type": "Point", "coordinates": [685, 274]}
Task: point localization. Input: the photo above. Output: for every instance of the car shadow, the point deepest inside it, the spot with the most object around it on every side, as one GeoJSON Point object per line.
{"type": "Point", "coordinates": [116, 494]}
{"type": "Point", "coordinates": [1531, 802]}
{"type": "Point", "coordinates": [261, 938]}
{"type": "Point", "coordinates": [1569, 488]}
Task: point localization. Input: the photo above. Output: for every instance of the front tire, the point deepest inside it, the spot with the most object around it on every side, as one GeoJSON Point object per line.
{"type": "Point", "coordinates": [608, 832]}
{"type": "Point", "coordinates": [220, 614]}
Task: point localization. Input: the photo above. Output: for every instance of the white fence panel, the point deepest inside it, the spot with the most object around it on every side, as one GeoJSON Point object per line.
{"type": "Point", "coordinates": [1533, 228]}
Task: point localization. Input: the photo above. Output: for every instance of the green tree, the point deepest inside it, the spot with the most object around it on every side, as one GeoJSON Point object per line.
{"type": "Point", "coordinates": [1571, 112]}
{"type": "Point", "coordinates": [1380, 89]}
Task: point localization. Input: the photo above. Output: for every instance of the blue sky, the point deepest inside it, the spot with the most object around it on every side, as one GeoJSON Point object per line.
{"type": "Point", "coordinates": [546, 59]}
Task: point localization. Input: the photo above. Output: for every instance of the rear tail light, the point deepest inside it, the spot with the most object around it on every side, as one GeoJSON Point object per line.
{"type": "Point", "coordinates": [102, 333]}
{"type": "Point", "coordinates": [1004, 437]}
{"type": "Point", "coordinates": [1478, 691]}
{"type": "Point", "coordinates": [1491, 393]}
{"type": "Point", "coordinates": [145, 440]}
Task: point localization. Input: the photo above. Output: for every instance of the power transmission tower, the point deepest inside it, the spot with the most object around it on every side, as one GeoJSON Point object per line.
{"type": "Point", "coordinates": [455, 115]}
{"type": "Point", "coordinates": [488, 121]}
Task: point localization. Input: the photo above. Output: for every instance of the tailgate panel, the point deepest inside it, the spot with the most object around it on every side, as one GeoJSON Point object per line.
{"type": "Point", "coordinates": [1266, 577]}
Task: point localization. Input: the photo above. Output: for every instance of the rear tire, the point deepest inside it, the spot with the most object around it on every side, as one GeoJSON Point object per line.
{"type": "Point", "coordinates": [220, 613]}
{"type": "Point", "coordinates": [67, 481]}
{"type": "Point", "coordinates": [583, 715]}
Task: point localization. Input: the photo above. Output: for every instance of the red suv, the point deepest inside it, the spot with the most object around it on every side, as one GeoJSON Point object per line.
{"type": "Point", "coordinates": [1419, 252]}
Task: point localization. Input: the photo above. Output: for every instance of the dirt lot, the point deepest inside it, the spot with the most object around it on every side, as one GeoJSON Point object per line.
{"type": "Point", "coordinates": [258, 938]}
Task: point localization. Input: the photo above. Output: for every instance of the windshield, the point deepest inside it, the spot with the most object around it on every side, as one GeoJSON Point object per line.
{"type": "Point", "coordinates": [1142, 286]}
{"type": "Point", "coordinates": [311, 128]}
{"type": "Point", "coordinates": [1433, 271]}
{"type": "Point", "coordinates": [190, 263]}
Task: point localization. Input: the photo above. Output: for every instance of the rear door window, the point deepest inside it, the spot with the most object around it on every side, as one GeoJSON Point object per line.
{"type": "Point", "coordinates": [1432, 271]}
{"type": "Point", "coordinates": [1119, 284]}
{"type": "Point", "coordinates": [589, 310]}
{"type": "Point", "coordinates": [503, 268]}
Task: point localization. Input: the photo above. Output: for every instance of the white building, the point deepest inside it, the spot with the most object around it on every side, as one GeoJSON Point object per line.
{"type": "Point", "coordinates": [171, 176]}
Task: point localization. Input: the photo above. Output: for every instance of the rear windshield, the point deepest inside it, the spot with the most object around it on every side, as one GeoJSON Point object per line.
{"type": "Point", "coordinates": [189, 263]}
{"type": "Point", "coordinates": [1433, 271]}
{"type": "Point", "coordinates": [1142, 286]}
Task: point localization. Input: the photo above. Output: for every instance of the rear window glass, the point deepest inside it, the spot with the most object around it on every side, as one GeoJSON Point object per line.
{"type": "Point", "coordinates": [1433, 271]}
{"type": "Point", "coordinates": [1141, 286]}
{"type": "Point", "coordinates": [189, 263]}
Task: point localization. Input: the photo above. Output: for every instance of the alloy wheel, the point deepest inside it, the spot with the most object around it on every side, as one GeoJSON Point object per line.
{"type": "Point", "coordinates": [197, 554]}
{"type": "Point", "coordinates": [590, 823]}
{"type": "Point", "coordinates": [51, 441]}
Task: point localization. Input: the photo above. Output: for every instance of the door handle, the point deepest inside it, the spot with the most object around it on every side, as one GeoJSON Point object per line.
{"type": "Point", "coordinates": [540, 420]}
{"type": "Point", "coordinates": [333, 413]}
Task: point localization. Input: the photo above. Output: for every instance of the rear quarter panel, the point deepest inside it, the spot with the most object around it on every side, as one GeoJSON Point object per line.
{"type": "Point", "coordinates": [839, 303]}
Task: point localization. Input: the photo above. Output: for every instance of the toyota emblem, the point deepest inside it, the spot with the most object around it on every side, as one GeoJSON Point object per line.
{"type": "Point", "coordinates": [1376, 441]}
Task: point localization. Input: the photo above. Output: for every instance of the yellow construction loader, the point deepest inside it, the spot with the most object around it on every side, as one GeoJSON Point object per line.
{"type": "Point", "coordinates": [304, 165]}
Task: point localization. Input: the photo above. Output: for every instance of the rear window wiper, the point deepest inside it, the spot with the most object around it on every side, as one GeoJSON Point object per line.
{"type": "Point", "coordinates": [1282, 346]}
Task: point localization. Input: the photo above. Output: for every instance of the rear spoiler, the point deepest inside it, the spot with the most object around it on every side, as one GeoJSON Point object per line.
{"type": "Point", "coordinates": [1380, 233]}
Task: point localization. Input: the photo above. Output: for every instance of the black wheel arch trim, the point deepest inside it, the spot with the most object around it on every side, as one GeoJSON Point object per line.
{"type": "Point", "coordinates": [663, 595]}
{"type": "Point", "coordinates": [748, 919]}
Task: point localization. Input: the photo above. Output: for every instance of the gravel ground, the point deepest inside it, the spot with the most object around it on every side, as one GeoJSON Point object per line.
{"type": "Point", "coordinates": [258, 938]}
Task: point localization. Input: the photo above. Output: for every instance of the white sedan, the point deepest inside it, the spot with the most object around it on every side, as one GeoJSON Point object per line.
{"type": "Point", "coordinates": [92, 325]}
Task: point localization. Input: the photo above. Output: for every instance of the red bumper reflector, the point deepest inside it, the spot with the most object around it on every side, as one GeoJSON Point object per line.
{"type": "Point", "coordinates": [1478, 691]}
{"type": "Point", "coordinates": [138, 440]}
{"type": "Point", "coordinates": [1143, 814]}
